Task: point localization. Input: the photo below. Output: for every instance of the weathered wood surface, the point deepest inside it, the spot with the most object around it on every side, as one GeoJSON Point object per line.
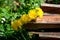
{"type": "Point", "coordinates": [48, 21]}
{"type": "Point", "coordinates": [41, 25]}
{"type": "Point", "coordinates": [51, 8]}
{"type": "Point", "coordinates": [52, 18]}
{"type": "Point", "coordinates": [47, 34]}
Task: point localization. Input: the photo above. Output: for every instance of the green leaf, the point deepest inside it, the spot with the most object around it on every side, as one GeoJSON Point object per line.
{"type": "Point", "coordinates": [22, 1]}
{"type": "Point", "coordinates": [1, 27]}
{"type": "Point", "coordinates": [8, 26]}
{"type": "Point", "coordinates": [4, 10]}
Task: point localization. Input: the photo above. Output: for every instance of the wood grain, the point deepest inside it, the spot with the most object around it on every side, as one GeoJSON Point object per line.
{"type": "Point", "coordinates": [48, 21]}
{"type": "Point", "coordinates": [51, 8]}
{"type": "Point", "coordinates": [48, 34]}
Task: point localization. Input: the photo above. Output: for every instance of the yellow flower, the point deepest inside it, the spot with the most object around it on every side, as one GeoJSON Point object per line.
{"type": "Point", "coordinates": [16, 24]}
{"type": "Point", "coordinates": [13, 25]}
{"type": "Point", "coordinates": [32, 14]}
{"type": "Point", "coordinates": [39, 12]}
{"type": "Point", "coordinates": [25, 18]}
{"type": "Point", "coordinates": [19, 23]}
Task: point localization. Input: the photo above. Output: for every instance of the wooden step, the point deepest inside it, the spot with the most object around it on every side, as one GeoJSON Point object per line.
{"type": "Point", "coordinates": [49, 18]}
{"type": "Point", "coordinates": [47, 34]}
{"type": "Point", "coordinates": [51, 8]}
{"type": "Point", "coordinates": [48, 21]}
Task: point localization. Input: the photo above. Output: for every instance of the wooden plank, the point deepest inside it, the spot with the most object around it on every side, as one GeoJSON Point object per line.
{"type": "Point", "coordinates": [41, 25]}
{"type": "Point", "coordinates": [51, 8]}
{"type": "Point", "coordinates": [51, 5]}
{"type": "Point", "coordinates": [48, 34]}
{"type": "Point", "coordinates": [48, 21]}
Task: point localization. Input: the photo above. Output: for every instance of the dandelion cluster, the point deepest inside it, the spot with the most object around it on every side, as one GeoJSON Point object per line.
{"type": "Point", "coordinates": [25, 18]}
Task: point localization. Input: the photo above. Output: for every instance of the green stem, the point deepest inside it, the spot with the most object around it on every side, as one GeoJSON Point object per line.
{"type": "Point", "coordinates": [22, 35]}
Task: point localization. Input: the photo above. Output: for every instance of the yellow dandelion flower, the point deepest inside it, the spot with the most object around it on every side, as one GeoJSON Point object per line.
{"type": "Point", "coordinates": [39, 12]}
{"type": "Point", "coordinates": [19, 23]}
{"type": "Point", "coordinates": [25, 18]}
{"type": "Point", "coordinates": [14, 26]}
{"type": "Point", "coordinates": [32, 14]}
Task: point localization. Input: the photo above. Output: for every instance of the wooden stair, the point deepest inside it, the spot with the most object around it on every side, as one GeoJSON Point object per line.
{"type": "Point", "coordinates": [51, 8]}
{"type": "Point", "coordinates": [47, 35]}
{"type": "Point", "coordinates": [50, 22]}
{"type": "Point", "coordinates": [51, 18]}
